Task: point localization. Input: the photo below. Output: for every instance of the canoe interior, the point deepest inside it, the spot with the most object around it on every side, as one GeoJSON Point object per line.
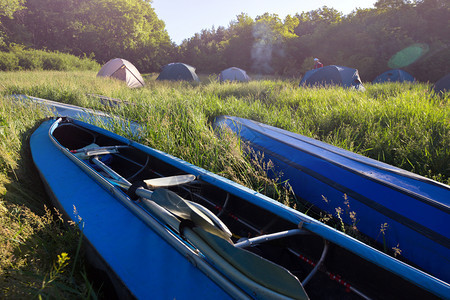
{"type": "Point", "coordinates": [341, 267]}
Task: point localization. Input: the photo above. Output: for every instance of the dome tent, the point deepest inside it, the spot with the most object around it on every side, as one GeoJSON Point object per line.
{"type": "Point", "coordinates": [394, 75]}
{"type": "Point", "coordinates": [442, 86]}
{"type": "Point", "coordinates": [123, 70]}
{"type": "Point", "coordinates": [233, 74]}
{"type": "Point", "coordinates": [178, 71]}
{"type": "Point", "coordinates": [332, 75]}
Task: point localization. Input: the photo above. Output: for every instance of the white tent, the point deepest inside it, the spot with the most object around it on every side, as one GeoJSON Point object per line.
{"type": "Point", "coordinates": [123, 70]}
{"type": "Point", "coordinates": [233, 74]}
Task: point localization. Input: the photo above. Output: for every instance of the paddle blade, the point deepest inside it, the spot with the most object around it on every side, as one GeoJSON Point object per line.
{"type": "Point", "coordinates": [255, 267]}
{"type": "Point", "coordinates": [169, 181]}
{"type": "Point", "coordinates": [182, 209]}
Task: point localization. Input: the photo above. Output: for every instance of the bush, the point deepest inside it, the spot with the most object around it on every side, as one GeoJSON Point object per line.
{"type": "Point", "coordinates": [8, 61]}
{"type": "Point", "coordinates": [27, 62]}
{"type": "Point", "coordinates": [21, 59]}
{"type": "Point", "coordinates": [53, 62]}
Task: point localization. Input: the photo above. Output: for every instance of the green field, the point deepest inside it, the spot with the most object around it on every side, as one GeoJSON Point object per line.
{"type": "Point", "coordinates": [401, 124]}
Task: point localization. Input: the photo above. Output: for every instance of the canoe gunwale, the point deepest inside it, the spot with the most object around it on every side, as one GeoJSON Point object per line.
{"type": "Point", "coordinates": [367, 161]}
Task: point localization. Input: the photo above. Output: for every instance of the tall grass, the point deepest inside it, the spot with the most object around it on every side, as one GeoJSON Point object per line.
{"type": "Point", "coordinates": [404, 125]}
{"type": "Point", "coordinates": [401, 124]}
{"type": "Point", "coordinates": [32, 235]}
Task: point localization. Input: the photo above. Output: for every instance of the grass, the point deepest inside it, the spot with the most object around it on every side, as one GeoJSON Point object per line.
{"type": "Point", "coordinates": [403, 125]}
{"type": "Point", "coordinates": [32, 235]}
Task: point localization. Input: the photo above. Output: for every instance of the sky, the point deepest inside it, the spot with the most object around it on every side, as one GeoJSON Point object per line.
{"type": "Point", "coordinates": [184, 18]}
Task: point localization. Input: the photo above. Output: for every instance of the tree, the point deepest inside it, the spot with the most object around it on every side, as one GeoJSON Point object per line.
{"type": "Point", "coordinates": [271, 37]}
{"type": "Point", "coordinates": [314, 20]}
{"type": "Point", "coordinates": [238, 43]}
{"type": "Point", "coordinates": [106, 28]}
{"type": "Point", "coordinates": [7, 10]}
{"type": "Point", "coordinates": [8, 7]}
{"type": "Point", "coordinates": [389, 4]}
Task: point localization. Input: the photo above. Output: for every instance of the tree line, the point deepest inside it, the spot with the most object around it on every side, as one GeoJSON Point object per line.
{"type": "Point", "coordinates": [100, 29]}
{"type": "Point", "coordinates": [412, 35]}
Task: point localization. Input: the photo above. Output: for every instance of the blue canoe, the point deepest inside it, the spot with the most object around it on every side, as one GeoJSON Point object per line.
{"type": "Point", "coordinates": [416, 209]}
{"type": "Point", "coordinates": [96, 117]}
{"type": "Point", "coordinates": [165, 229]}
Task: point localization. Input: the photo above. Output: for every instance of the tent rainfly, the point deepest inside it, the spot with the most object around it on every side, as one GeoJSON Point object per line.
{"type": "Point", "coordinates": [333, 75]}
{"type": "Point", "coordinates": [394, 75]}
{"type": "Point", "coordinates": [178, 71]}
{"type": "Point", "coordinates": [233, 74]}
{"type": "Point", "coordinates": [123, 70]}
{"type": "Point", "coordinates": [442, 86]}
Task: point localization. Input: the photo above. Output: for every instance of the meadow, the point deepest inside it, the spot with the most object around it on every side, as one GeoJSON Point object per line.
{"type": "Point", "coordinates": [401, 124]}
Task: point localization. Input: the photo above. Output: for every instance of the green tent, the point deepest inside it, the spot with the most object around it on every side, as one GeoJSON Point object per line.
{"type": "Point", "coordinates": [442, 86]}
{"type": "Point", "coordinates": [395, 75]}
{"type": "Point", "coordinates": [233, 74]}
{"type": "Point", "coordinates": [178, 71]}
{"type": "Point", "coordinates": [333, 75]}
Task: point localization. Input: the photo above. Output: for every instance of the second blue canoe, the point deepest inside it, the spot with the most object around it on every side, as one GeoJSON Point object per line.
{"type": "Point", "coordinates": [414, 210]}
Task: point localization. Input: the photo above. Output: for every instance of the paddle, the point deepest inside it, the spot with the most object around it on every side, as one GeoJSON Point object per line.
{"type": "Point", "coordinates": [187, 210]}
{"type": "Point", "coordinates": [260, 270]}
{"type": "Point", "coordinates": [173, 203]}
{"type": "Point", "coordinates": [94, 150]}
{"type": "Point", "coordinates": [249, 271]}
{"type": "Point", "coordinates": [169, 181]}
{"type": "Point", "coordinates": [252, 273]}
